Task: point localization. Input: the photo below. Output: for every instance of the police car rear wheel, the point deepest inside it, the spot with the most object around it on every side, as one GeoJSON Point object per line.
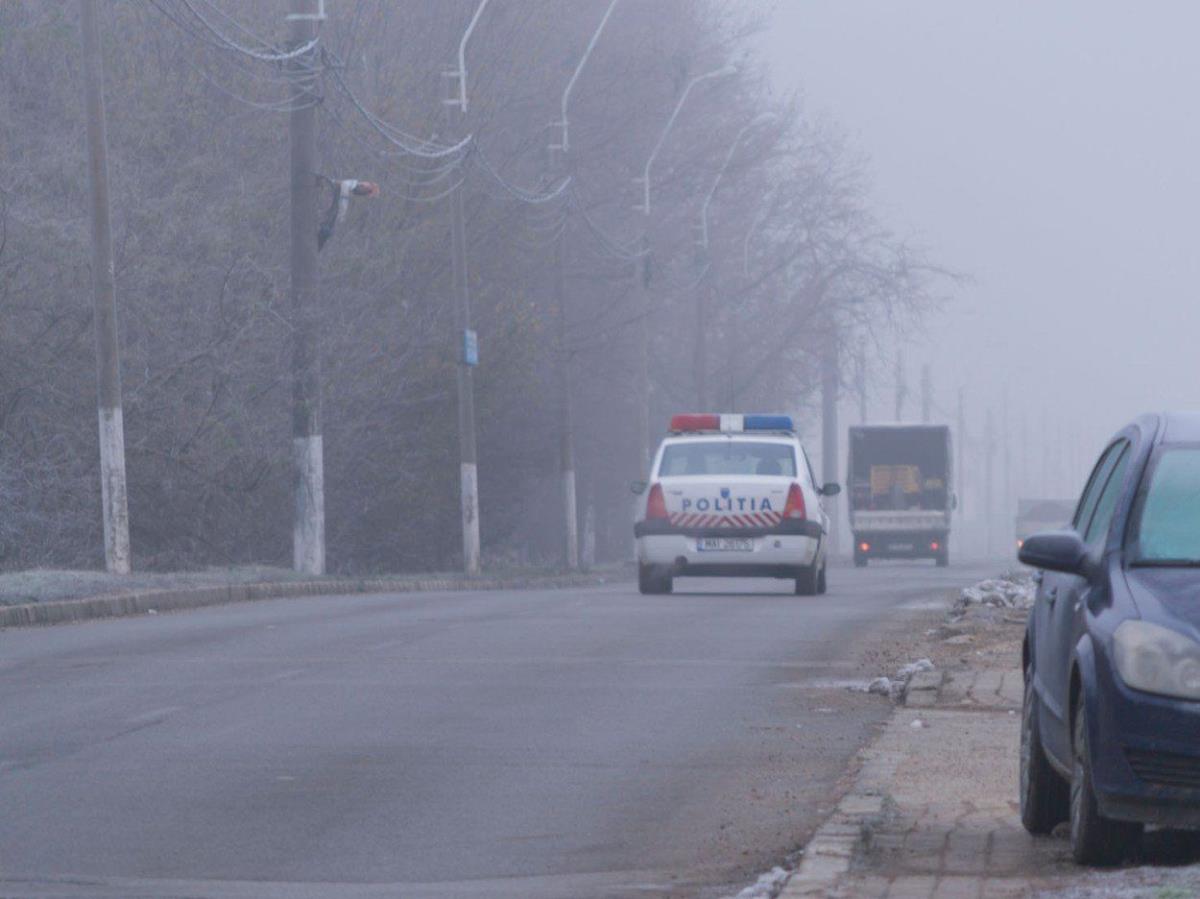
{"type": "Point", "coordinates": [652, 581]}
{"type": "Point", "coordinates": [808, 580]}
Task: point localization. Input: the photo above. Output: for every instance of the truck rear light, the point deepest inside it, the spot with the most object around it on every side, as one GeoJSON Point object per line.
{"type": "Point", "coordinates": [935, 546]}
{"type": "Point", "coordinates": [794, 507]}
{"type": "Point", "coordinates": [656, 503]}
{"type": "Point", "coordinates": [864, 547]}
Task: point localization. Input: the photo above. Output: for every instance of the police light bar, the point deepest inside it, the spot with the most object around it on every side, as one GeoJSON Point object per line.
{"type": "Point", "coordinates": [716, 422]}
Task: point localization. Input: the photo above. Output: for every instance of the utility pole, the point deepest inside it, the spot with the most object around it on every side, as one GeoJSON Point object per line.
{"type": "Point", "coordinates": [988, 452]}
{"type": "Point", "coordinates": [113, 498]}
{"type": "Point", "coordinates": [699, 340]}
{"type": "Point", "coordinates": [465, 340]}
{"type": "Point", "coordinates": [566, 435]}
{"type": "Point", "coordinates": [308, 534]}
{"type": "Point", "coordinates": [961, 437]}
{"type": "Point", "coordinates": [642, 273]}
{"type": "Point", "coordinates": [829, 425]}
{"type": "Point", "coordinates": [901, 387]}
{"type": "Point", "coordinates": [468, 460]}
{"type": "Point", "coordinates": [926, 394]}
{"type": "Point", "coordinates": [566, 419]}
{"type": "Point", "coordinates": [1045, 451]}
{"type": "Point", "coordinates": [860, 381]}
{"type": "Point", "coordinates": [1006, 503]}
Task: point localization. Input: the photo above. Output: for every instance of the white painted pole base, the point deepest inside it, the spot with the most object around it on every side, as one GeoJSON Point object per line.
{"type": "Point", "coordinates": [470, 517]}
{"type": "Point", "coordinates": [587, 559]}
{"type": "Point", "coordinates": [571, 513]}
{"type": "Point", "coordinates": [113, 497]}
{"type": "Point", "coordinates": [308, 534]}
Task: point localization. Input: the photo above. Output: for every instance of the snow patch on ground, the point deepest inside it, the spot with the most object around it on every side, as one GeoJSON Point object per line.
{"type": "Point", "coordinates": [1011, 591]}
{"type": "Point", "coordinates": [768, 885]}
{"type": "Point", "coordinates": [894, 686]}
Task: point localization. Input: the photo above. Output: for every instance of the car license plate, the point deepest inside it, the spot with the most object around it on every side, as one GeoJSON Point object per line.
{"type": "Point", "coordinates": [901, 547]}
{"type": "Point", "coordinates": [725, 544]}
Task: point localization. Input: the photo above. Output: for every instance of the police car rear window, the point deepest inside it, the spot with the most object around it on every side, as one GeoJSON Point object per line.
{"type": "Point", "coordinates": [727, 457]}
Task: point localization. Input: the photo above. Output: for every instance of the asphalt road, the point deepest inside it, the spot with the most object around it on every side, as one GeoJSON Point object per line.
{"type": "Point", "coordinates": [587, 742]}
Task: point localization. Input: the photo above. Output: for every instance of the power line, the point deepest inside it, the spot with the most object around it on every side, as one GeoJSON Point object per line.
{"type": "Point", "coordinates": [275, 54]}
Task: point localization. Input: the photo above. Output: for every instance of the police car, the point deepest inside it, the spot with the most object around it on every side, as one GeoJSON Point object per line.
{"type": "Point", "coordinates": [732, 496]}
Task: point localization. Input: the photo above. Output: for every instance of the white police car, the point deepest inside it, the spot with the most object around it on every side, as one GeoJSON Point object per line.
{"type": "Point", "coordinates": [732, 496]}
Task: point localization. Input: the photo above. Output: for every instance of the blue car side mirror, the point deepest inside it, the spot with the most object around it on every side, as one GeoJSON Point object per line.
{"type": "Point", "coordinates": [1054, 551]}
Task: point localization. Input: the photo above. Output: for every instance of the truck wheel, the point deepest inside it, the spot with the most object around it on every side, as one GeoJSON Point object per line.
{"type": "Point", "coordinates": [943, 558]}
{"type": "Point", "coordinates": [653, 582]}
{"type": "Point", "coordinates": [821, 586]}
{"type": "Point", "coordinates": [807, 580]}
{"type": "Point", "coordinates": [860, 561]}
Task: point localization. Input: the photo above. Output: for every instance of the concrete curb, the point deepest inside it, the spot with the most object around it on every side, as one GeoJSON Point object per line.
{"type": "Point", "coordinates": [153, 601]}
{"type": "Point", "coordinates": [830, 853]}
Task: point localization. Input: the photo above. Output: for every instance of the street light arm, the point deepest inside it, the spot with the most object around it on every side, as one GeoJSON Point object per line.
{"type": "Point", "coordinates": [716, 73]}
{"type": "Point", "coordinates": [462, 56]}
{"type": "Point", "coordinates": [566, 97]}
{"type": "Point", "coordinates": [764, 117]}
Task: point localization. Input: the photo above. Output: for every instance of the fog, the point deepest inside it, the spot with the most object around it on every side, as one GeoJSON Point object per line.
{"type": "Point", "coordinates": [1004, 196]}
{"type": "Point", "coordinates": [1048, 151]}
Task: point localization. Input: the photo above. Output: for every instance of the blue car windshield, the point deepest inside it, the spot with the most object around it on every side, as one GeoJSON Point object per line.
{"type": "Point", "coordinates": [1168, 529]}
{"type": "Point", "coordinates": [727, 457]}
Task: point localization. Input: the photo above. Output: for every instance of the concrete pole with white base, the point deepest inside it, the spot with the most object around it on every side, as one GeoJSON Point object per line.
{"type": "Point", "coordinates": [308, 465]}
{"type": "Point", "coordinates": [468, 459]}
{"type": "Point", "coordinates": [113, 498]}
{"type": "Point", "coordinates": [565, 412]}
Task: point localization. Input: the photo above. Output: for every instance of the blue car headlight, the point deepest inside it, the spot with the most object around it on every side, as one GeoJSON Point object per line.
{"type": "Point", "coordinates": [1157, 659]}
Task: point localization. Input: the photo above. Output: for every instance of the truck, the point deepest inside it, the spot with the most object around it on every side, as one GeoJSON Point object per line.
{"type": "Point", "coordinates": [900, 492]}
{"type": "Point", "coordinates": [1035, 515]}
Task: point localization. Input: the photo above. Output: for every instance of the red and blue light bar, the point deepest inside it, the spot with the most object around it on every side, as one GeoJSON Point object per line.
{"type": "Point", "coordinates": [712, 421]}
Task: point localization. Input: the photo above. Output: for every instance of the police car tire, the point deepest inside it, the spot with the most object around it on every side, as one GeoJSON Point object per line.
{"type": "Point", "coordinates": [652, 582]}
{"type": "Point", "coordinates": [807, 580]}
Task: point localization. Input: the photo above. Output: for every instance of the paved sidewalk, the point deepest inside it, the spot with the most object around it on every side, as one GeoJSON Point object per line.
{"type": "Point", "coordinates": [943, 817]}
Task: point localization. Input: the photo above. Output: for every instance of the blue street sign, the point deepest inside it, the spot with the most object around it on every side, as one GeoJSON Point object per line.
{"type": "Point", "coordinates": [470, 349]}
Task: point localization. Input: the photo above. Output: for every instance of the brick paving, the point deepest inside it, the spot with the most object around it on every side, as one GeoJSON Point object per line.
{"type": "Point", "coordinates": [938, 802]}
{"type": "Point", "coordinates": [951, 829]}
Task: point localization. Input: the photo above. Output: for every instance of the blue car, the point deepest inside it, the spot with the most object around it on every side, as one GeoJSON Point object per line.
{"type": "Point", "coordinates": [1110, 731]}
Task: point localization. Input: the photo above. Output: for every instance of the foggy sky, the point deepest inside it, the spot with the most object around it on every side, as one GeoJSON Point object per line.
{"type": "Point", "coordinates": [1050, 150]}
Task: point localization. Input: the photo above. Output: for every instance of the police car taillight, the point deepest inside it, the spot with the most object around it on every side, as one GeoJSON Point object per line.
{"type": "Point", "coordinates": [656, 503]}
{"type": "Point", "coordinates": [794, 508]}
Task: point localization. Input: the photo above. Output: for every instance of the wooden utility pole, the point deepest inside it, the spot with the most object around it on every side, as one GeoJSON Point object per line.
{"type": "Point", "coordinates": [308, 531]}
{"type": "Point", "coordinates": [113, 497]}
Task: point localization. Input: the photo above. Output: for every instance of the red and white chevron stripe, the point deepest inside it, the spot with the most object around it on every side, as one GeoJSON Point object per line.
{"type": "Point", "coordinates": [743, 520]}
